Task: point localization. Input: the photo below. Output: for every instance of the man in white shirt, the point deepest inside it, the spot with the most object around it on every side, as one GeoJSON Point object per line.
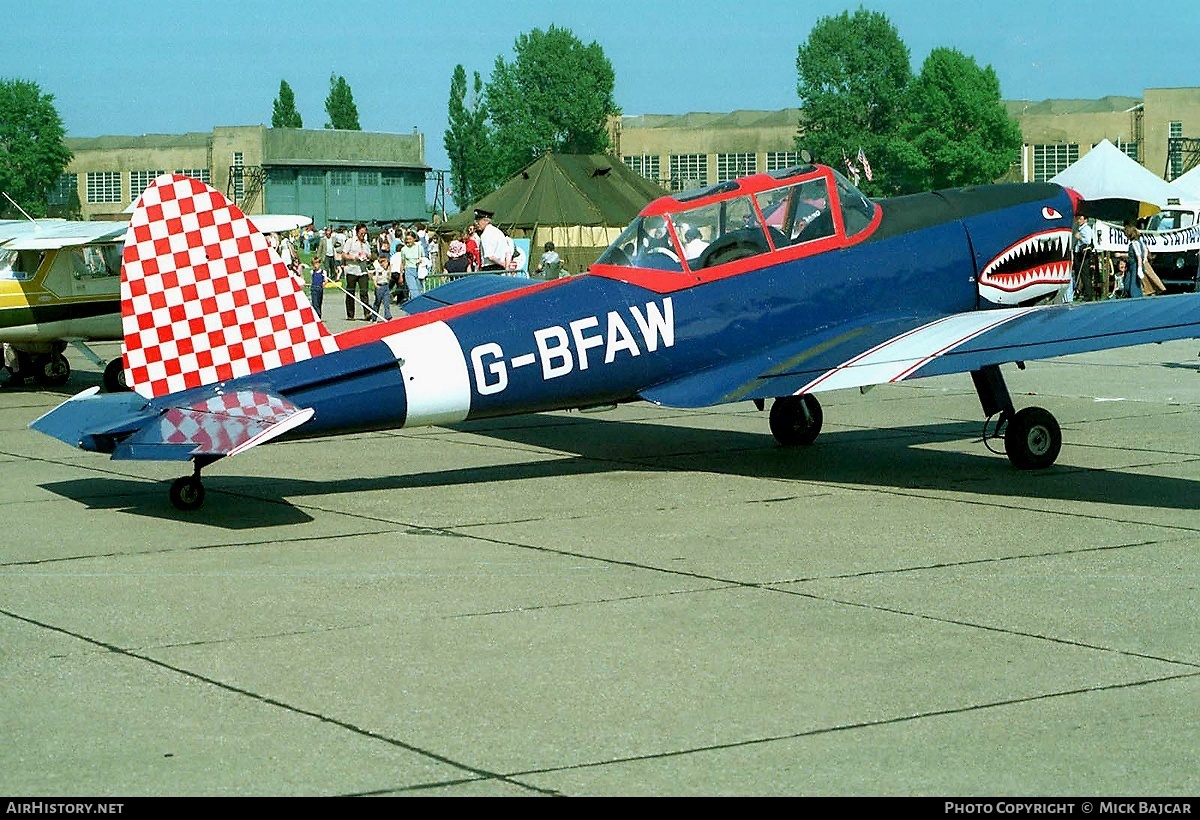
{"type": "Point", "coordinates": [1084, 271]}
{"type": "Point", "coordinates": [356, 258]}
{"type": "Point", "coordinates": [495, 248]}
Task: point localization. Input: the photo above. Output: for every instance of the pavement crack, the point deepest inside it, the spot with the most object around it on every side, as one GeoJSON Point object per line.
{"type": "Point", "coordinates": [276, 703]}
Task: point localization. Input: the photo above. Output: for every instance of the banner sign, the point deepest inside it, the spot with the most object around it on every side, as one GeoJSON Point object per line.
{"type": "Point", "coordinates": [1111, 237]}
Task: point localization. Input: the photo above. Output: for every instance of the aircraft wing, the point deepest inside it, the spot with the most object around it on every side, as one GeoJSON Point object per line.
{"type": "Point", "coordinates": [897, 350]}
{"type": "Point", "coordinates": [279, 223]}
{"type": "Point", "coordinates": [52, 234]}
{"type": "Point", "coordinates": [125, 424]}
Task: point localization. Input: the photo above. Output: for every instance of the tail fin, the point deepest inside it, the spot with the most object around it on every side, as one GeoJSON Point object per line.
{"type": "Point", "coordinates": [203, 296]}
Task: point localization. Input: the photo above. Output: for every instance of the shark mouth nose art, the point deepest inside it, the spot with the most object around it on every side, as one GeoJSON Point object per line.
{"type": "Point", "coordinates": [1041, 259]}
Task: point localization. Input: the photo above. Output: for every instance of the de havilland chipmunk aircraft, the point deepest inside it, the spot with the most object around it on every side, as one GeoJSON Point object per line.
{"type": "Point", "coordinates": [776, 286]}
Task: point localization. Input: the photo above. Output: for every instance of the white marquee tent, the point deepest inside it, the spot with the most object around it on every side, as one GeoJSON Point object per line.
{"type": "Point", "coordinates": [1106, 174]}
{"type": "Point", "coordinates": [1189, 183]}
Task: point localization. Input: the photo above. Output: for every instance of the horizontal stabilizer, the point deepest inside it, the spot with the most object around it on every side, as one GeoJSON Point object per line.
{"type": "Point", "coordinates": [465, 289]}
{"type": "Point", "coordinates": [224, 425]}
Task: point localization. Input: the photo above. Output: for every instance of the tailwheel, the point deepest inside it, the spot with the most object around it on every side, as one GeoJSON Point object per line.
{"type": "Point", "coordinates": [52, 370]}
{"type": "Point", "coordinates": [796, 420]}
{"type": "Point", "coordinates": [1032, 439]}
{"type": "Point", "coordinates": [187, 493]}
{"type": "Point", "coordinates": [114, 376]}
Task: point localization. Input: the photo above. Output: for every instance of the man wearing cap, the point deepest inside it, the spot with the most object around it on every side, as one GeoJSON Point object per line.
{"type": "Point", "coordinates": [494, 246]}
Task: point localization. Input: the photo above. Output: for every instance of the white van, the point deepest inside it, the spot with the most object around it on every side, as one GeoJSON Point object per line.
{"type": "Point", "coordinates": [1176, 268]}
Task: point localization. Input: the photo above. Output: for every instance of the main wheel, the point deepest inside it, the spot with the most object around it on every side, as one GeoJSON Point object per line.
{"type": "Point", "coordinates": [52, 370]}
{"type": "Point", "coordinates": [1032, 439]}
{"type": "Point", "coordinates": [187, 493]}
{"type": "Point", "coordinates": [114, 376]}
{"type": "Point", "coordinates": [796, 420]}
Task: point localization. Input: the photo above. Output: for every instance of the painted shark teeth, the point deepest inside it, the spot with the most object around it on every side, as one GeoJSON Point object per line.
{"type": "Point", "coordinates": [1036, 249]}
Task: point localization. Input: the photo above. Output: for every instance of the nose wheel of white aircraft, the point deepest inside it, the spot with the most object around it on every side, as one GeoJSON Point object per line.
{"type": "Point", "coordinates": [796, 420]}
{"type": "Point", "coordinates": [114, 376]}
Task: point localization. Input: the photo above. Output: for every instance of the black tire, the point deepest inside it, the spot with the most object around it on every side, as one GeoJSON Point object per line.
{"type": "Point", "coordinates": [51, 371]}
{"type": "Point", "coordinates": [114, 376]}
{"type": "Point", "coordinates": [187, 494]}
{"type": "Point", "coordinates": [1032, 439]}
{"type": "Point", "coordinates": [796, 420]}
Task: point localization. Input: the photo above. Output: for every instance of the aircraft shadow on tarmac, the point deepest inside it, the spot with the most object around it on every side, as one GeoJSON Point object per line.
{"type": "Point", "coordinates": [926, 457]}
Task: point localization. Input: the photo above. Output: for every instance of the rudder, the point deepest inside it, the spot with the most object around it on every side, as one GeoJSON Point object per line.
{"type": "Point", "coordinates": [204, 298]}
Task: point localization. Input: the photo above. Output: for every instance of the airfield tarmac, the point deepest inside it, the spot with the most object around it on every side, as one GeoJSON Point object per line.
{"type": "Point", "coordinates": [641, 602]}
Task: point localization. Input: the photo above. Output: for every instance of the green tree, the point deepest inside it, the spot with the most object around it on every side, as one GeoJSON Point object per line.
{"type": "Point", "coordinates": [957, 130]}
{"type": "Point", "coordinates": [557, 95]}
{"type": "Point", "coordinates": [466, 141]}
{"type": "Point", "coordinates": [343, 113]}
{"type": "Point", "coordinates": [853, 74]}
{"type": "Point", "coordinates": [284, 113]}
{"type": "Point", "coordinates": [33, 154]}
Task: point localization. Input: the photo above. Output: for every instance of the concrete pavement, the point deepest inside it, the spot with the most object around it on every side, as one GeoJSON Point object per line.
{"type": "Point", "coordinates": [645, 601]}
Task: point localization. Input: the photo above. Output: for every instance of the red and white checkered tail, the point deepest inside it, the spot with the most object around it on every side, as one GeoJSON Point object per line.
{"type": "Point", "coordinates": [203, 297]}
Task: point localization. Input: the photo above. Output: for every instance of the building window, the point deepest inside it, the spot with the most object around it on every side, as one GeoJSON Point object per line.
{"type": "Point", "coordinates": [281, 176]}
{"type": "Point", "coordinates": [393, 178]}
{"type": "Point", "coordinates": [103, 186]}
{"type": "Point", "coordinates": [1175, 148]}
{"type": "Point", "coordinates": [62, 190]}
{"type": "Point", "coordinates": [1049, 160]}
{"type": "Point", "coordinates": [732, 166]}
{"type": "Point", "coordinates": [140, 181]}
{"type": "Point", "coordinates": [778, 160]}
{"type": "Point", "coordinates": [341, 178]}
{"type": "Point", "coordinates": [646, 164]}
{"type": "Point", "coordinates": [239, 177]}
{"type": "Point", "coordinates": [201, 174]}
{"type": "Point", "coordinates": [311, 177]}
{"type": "Point", "coordinates": [688, 171]}
{"type": "Point", "coordinates": [1129, 148]}
{"type": "Point", "coordinates": [368, 178]}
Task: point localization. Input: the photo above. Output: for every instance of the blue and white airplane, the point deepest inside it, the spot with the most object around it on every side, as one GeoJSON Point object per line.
{"type": "Point", "coordinates": [777, 286]}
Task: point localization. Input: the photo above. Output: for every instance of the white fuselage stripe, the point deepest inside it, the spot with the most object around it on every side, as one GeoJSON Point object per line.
{"type": "Point", "coordinates": [437, 384]}
{"type": "Point", "coordinates": [900, 357]}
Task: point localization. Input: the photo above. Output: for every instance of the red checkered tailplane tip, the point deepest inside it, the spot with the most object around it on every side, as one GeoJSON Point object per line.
{"type": "Point", "coordinates": [204, 298]}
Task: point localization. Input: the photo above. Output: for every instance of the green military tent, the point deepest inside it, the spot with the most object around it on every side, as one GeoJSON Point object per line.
{"type": "Point", "coordinates": [580, 202]}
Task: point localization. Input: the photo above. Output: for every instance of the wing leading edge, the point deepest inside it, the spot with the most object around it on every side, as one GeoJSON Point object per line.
{"type": "Point", "coordinates": [959, 343]}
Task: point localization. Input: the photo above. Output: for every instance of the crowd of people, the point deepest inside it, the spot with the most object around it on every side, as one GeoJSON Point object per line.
{"type": "Point", "coordinates": [1110, 274]}
{"type": "Point", "coordinates": [393, 265]}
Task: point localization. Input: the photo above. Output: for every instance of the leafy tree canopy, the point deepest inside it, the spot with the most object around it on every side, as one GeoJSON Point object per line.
{"type": "Point", "coordinates": [466, 141]}
{"type": "Point", "coordinates": [556, 95]}
{"type": "Point", "coordinates": [33, 154]}
{"type": "Point", "coordinates": [284, 113]}
{"type": "Point", "coordinates": [343, 113]}
{"type": "Point", "coordinates": [945, 127]}
{"type": "Point", "coordinates": [957, 126]}
{"type": "Point", "coordinates": [852, 74]}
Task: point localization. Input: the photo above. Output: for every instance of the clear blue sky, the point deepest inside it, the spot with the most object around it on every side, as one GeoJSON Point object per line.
{"type": "Point", "coordinates": [169, 66]}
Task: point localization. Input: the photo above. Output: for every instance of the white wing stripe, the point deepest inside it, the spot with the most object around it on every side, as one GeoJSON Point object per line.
{"type": "Point", "coordinates": [900, 357]}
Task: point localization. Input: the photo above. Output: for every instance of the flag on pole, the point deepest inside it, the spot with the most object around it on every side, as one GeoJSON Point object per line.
{"type": "Point", "coordinates": [851, 168]}
{"type": "Point", "coordinates": [862, 160]}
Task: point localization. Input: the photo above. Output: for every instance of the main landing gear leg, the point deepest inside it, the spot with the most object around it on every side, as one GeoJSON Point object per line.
{"type": "Point", "coordinates": [187, 493]}
{"type": "Point", "coordinates": [1032, 437]}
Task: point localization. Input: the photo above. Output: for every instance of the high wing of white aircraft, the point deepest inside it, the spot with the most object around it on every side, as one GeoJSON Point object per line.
{"type": "Point", "coordinates": [60, 283]}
